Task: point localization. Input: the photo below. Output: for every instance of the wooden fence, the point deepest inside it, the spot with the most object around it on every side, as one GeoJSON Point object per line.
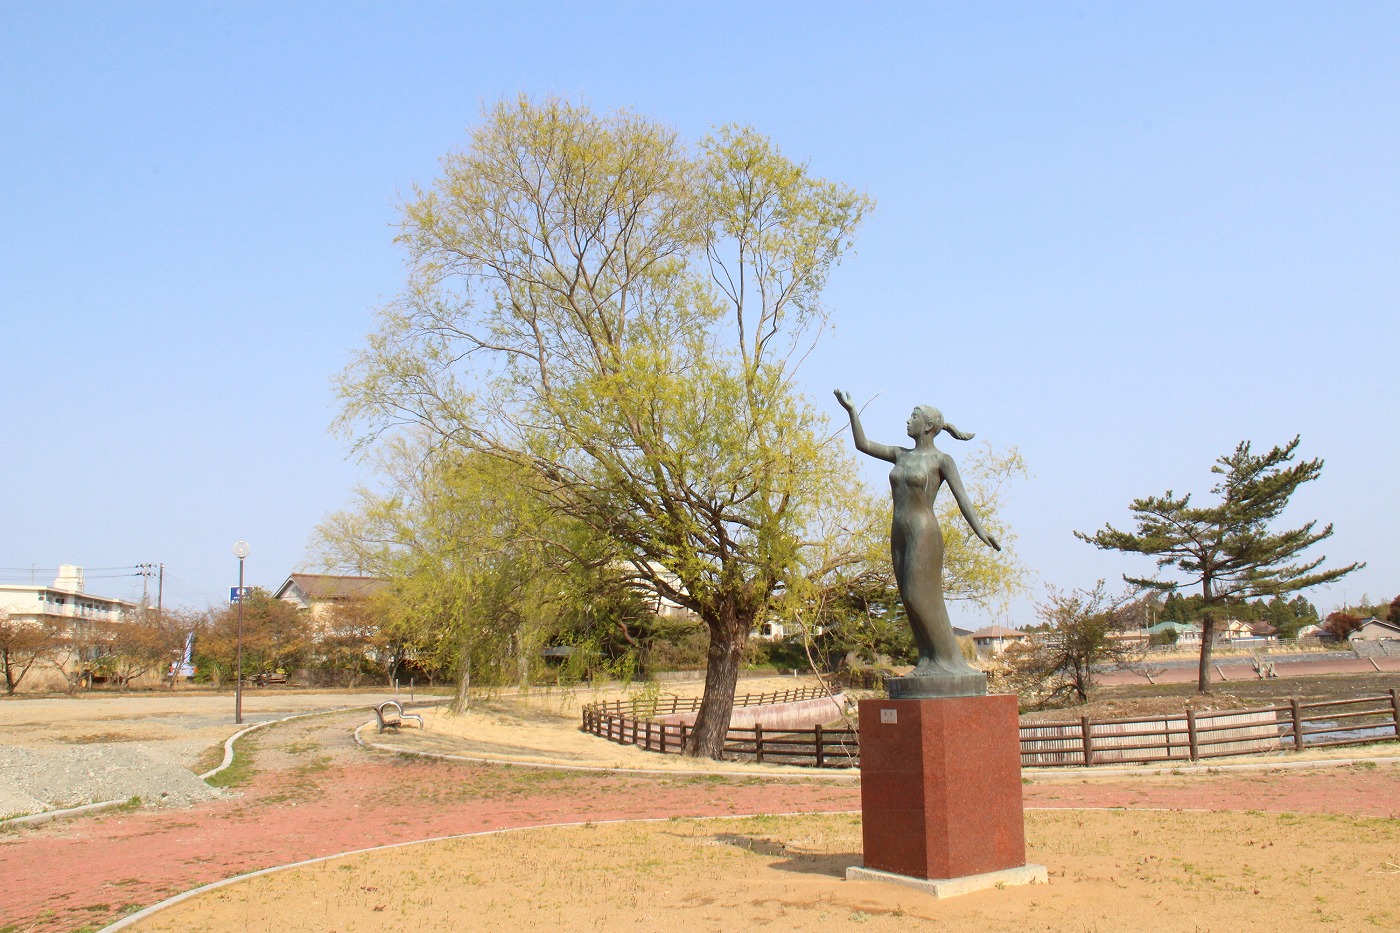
{"type": "Point", "coordinates": [634, 722]}
{"type": "Point", "coordinates": [647, 707]}
{"type": "Point", "coordinates": [1144, 740]}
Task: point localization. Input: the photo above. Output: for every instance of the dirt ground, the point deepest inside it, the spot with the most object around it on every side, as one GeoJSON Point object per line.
{"type": "Point", "coordinates": [1109, 871]}
{"type": "Point", "coordinates": [304, 790]}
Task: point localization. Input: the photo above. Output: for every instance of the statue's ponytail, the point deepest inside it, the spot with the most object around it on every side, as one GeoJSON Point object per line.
{"type": "Point", "coordinates": [958, 434]}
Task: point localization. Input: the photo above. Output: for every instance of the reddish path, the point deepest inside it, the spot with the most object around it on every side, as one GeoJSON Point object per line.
{"type": "Point", "coordinates": [317, 794]}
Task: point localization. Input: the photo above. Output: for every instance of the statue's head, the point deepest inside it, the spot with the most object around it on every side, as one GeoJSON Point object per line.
{"type": "Point", "coordinates": [927, 420]}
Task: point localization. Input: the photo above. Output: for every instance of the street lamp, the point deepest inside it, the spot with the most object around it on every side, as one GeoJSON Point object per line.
{"type": "Point", "coordinates": [240, 550]}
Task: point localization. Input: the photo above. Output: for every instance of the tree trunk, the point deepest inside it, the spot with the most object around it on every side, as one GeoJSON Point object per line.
{"type": "Point", "coordinates": [463, 699]}
{"type": "Point", "coordinates": [728, 633]}
{"type": "Point", "coordinates": [1207, 645]}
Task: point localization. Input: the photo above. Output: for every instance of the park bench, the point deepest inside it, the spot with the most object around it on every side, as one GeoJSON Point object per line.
{"type": "Point", "coordinates": [391, 715]}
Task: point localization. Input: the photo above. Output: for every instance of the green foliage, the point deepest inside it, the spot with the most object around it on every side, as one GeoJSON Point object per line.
{"type": "Point", "coordinates": [616, 321]}
{"type": "Point", "coordinates": [1285, 615]}
{"type": "Point", "coordinates": [1228, 549]}
{"type": "Point", "coordinates": [1167, 636]}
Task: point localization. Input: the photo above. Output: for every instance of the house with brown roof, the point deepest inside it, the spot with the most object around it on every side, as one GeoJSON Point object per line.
{"type": "Point", "coordinates": [994, 639]}
{"type": "Point", "coordinates": [320, 593]}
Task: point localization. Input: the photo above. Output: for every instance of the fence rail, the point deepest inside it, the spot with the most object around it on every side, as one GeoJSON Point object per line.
{"type": "Point", "coordinates": [668, 704]}
{"type": "Point", "coordinates": [1144, 740]}
{"type": "Point", "coordinates": [635, 722]}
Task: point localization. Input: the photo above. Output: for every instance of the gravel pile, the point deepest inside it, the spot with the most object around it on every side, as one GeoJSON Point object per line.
{"type": "Point", "coordinates": [36, 779]}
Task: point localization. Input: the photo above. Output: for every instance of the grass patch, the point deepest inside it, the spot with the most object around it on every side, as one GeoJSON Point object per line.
{"type": "Point", "coordinates": [239, 772]}
{"type": "Point", "coordinates": [315, 766]}
{"type": "Point", "coordinates": [208, 760]}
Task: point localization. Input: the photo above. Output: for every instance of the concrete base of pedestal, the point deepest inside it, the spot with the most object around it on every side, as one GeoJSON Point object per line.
{"type": "Point", "coordinates": [952, 887]}
{"type": "Point", "coordinates": [940, 787]}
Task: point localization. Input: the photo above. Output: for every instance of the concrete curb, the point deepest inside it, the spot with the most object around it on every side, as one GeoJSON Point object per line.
{"type": "Point", "coordinates": [228, 743]}
{"type": "Point", "coordinates": [48, 816]}
{"type": "Point", "coordinates": [1198, 768]}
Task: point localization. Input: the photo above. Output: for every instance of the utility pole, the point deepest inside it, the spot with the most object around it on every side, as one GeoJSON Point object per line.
{"type": "Point", "coordinates": [145, 572]}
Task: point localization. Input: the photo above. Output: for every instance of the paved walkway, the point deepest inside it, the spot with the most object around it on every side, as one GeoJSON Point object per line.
{"type": "Point", "coordinates": [315, 792]}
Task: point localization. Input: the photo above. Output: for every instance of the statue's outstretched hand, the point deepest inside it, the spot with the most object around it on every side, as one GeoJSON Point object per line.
{"type": "Point", "coordinates": [844, 398]}
{"type": "Point", "coordinates": [992, 542]}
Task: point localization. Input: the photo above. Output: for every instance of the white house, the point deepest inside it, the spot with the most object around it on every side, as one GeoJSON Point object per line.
{"type": "Point", "coordinates": [994, 639]}
{"type": "Point", "coordinates": [63, 601]}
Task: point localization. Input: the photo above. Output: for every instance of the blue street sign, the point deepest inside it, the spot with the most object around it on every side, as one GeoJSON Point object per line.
{"type": "Point", "coordinates": [239, 593]}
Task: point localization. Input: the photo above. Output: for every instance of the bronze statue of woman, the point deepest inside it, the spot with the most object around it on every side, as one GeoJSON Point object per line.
{"type": "Point", "coordinates": [916, 549]}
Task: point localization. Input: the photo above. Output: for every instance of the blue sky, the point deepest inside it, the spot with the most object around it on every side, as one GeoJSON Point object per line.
{"type": "Point", "coordinates": [1122, 237]}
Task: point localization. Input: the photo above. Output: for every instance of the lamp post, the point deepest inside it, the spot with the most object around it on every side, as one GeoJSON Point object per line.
{"type": "Point", "coordinates": [240, 550]}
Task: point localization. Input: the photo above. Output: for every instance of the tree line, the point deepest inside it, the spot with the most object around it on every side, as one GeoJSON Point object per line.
{"type": "Point", "coordinates": [347, 645]}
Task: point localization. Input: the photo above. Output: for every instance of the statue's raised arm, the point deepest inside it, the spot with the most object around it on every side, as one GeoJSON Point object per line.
{"type": "Point", "coordinates": [865, 446]}
{"type": "Point", "coordinates": [916, 550]}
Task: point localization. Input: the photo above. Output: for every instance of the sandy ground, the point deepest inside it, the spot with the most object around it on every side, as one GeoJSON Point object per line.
{"type": "Point", "coordinates": [543, 727]}
{"type": "Point", "coordinates": [1109, 871]}
{"type": "Point", "coordinates": [185, 724]}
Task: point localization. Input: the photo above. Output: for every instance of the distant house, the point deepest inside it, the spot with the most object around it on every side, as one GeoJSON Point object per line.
{"type": "Point", "coordinates": [1227, 631]}
{"type": "Point", "coordinates": [320, 593]}
{"type": "Point", "coordinates": [1374, 629]}
{"type": "Point", "coordinates": [661, 604]}
{"type": "Point", "coordinates": [770, 631]}
{"type": "Point", "coordinates": [994, 639]}
{"type": "Point", "coordinates": [1187, 633]}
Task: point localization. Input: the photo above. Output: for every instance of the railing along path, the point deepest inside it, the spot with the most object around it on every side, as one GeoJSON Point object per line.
{"type": "Point", "coordinates": [1189, 737]}
{"type": "Point", "coordinates": [635, 722]}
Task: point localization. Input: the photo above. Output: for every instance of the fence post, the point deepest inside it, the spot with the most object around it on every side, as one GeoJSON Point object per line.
{"type": "Point", "coordinates": [1395, 709]}
{"type": "Point", "coordinates": [1191, 734]}
{"type": "Point", "coordinates": [648, 745]}
{"type": "Point", "coordinates": [1088, 742]}
{"type": "Point", "coordinates": [685, 735]}
{"type": "Point", "coordinates": [821, 759]}
{"type": "Point", "coordinates": [1297, 724]}
{"type": "Point", "coordinates": [758, 741]}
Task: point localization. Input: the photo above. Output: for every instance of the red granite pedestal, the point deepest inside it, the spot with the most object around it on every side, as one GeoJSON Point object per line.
{"type": "Point", "coordinates": [941, 792]}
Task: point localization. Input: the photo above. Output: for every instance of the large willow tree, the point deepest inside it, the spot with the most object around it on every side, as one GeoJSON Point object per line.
{"type": "Point", "coordinates": [618, 319]}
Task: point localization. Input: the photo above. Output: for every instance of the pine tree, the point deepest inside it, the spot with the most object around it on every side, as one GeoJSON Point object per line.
{"type": "Point", "coordinates": [1228, 549]}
